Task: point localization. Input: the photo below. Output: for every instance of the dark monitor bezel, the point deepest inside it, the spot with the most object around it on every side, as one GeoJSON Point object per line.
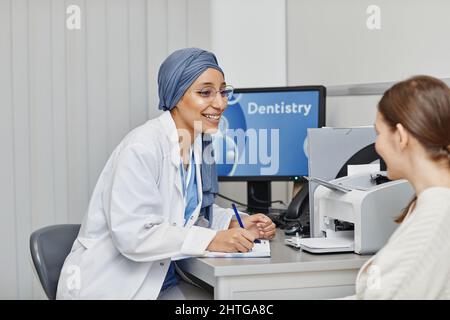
{"type": "Point", "coordinates": [322, 97]}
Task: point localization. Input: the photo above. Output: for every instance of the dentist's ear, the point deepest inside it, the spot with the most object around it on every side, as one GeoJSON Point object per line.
{"type": "Point", "coordinates": [403, 136]}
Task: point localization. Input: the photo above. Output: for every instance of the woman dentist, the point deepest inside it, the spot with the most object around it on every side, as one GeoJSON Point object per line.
{"type": "Point", "coordinates": [154, 199]}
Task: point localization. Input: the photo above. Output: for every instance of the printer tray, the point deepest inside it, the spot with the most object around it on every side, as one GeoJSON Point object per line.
{"type": "Point", "coordinates": [326, 245]}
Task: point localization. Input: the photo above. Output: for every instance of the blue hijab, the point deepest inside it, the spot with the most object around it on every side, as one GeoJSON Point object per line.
{"type": "Point", "coordinates": [175, 76]}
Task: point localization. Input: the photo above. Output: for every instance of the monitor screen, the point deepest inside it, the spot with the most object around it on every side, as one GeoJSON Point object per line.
{"type": "Point", "coordinates": [262, 133]}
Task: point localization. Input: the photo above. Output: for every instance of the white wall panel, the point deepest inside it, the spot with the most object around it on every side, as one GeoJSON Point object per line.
{"type": "Point", "coordinates": [8, 239]}
{"type": "Point", "coordinates": [67, 97]}
{"type": "Point", "coordinates": [249, 39]}
{"type": "Point", "coordinates": [330, 44]}
{"type": "Point", "coordinates": [22, 158]}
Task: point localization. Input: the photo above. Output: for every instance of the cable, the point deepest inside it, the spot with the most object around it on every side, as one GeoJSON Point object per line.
{"type": "Point", "coordinates": [185, 277]}
{"type": "Point", "coordinates": [246, 205]}
{"type": "Point", "coordinates": [232, 200]}
{"type": "Point", "coordinates": [264, 201]}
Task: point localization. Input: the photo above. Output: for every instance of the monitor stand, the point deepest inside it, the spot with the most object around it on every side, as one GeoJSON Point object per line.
{"type": "Point", "coordinates": [259, 196]}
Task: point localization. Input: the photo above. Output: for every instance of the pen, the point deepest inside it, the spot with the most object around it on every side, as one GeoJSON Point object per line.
{"type": "Point", "coordinates": [236, 213]}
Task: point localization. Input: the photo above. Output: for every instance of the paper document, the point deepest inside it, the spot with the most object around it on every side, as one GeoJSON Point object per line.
{"type": "Point", "coordinates": [362, 168]}
{"type": "Point", "coordinates": [259, 250]}
{"type": "Point", "coordinates": [330, 185]}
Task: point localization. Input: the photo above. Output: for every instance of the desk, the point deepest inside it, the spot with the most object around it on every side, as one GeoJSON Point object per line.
{"type": "Point", "coordinates": [287, 274]}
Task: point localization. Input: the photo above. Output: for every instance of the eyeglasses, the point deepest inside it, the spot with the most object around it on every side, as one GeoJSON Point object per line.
{"type": "Point", "coordinates": [209, 93]}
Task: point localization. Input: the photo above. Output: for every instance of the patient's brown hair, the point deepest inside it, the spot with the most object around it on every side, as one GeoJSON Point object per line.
{"type": "Point", "coordinates": [422, 105]}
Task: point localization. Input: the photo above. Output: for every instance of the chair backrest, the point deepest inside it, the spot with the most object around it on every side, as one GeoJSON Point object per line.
{"type": "Point", "coordinates": [49, 248]}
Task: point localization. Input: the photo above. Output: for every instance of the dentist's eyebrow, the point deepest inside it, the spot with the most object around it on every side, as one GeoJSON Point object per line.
{"type": "Point", "coordinates": [212, 84]}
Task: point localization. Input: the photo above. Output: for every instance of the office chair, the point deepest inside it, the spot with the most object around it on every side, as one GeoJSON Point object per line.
{"type": "Point", "coordinates": [49, 248]}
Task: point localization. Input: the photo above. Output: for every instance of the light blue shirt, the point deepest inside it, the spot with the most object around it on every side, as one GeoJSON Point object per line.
{"type": "Point", "coordinates": [190, 194]}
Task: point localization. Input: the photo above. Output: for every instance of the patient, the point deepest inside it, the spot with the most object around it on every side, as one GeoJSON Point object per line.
{"type": "Point", "coordinates": [413, 128]}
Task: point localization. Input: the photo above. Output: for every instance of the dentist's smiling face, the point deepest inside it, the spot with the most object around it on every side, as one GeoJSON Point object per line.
{"type": "Point", "coordinates": [202, 104]}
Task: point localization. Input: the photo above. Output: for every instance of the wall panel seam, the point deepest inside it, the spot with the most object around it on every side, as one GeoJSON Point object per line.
{"type": "Point", "coordinates": [86, 89]}
{"type": "Point", "coordinates": [130, 113]}
{"type": "Point", "coordinates": [67, 121]}
{"type": "Point", "coordinates": [11, 66]}
{"type": "Point", "coordinates": [106, 78]}
{"type": "Point", "coordinates": [52, 113]}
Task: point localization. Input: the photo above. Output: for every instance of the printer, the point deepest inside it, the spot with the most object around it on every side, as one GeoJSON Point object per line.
{"type": "Point", "coordinates": [357, 212]}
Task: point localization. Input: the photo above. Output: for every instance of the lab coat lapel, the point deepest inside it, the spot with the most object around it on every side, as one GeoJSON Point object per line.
{"type": "Point", "coordinates": [170, 130]}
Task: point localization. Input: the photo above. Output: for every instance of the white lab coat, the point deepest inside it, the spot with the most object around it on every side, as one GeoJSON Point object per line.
{"type": "Point", "coordinates": [134, 224]}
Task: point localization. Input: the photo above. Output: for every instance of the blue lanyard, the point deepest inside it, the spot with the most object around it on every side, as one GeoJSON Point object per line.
{"type": "Point", "coordinates": [185, 180]}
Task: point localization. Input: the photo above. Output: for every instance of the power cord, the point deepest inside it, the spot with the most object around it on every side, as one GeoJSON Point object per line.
{"type": "Point", "coordinates": [264, 201]}
{"type": "Point", "coordinates": [278, 219]}
{"type": "Point", "coordinates": [246, 205]}
{"type": "Point", "coordinates": [232, 200]}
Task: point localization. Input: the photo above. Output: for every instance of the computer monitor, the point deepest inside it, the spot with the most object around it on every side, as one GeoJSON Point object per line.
{"type": "Point", "coordinates": [262, 137]}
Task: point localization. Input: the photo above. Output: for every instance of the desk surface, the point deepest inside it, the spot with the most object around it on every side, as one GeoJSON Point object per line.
{"type": "Point", "coordinates": [283, 259]}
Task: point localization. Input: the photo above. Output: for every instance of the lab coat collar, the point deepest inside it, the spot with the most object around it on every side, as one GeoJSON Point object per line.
{"type": "Point", "coordinates": [171, 132]}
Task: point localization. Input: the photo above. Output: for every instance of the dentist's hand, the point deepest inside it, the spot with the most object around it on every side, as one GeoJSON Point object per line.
{"type": "Point", "coordinates": [232, 240]}
{"type": "Point", "coordinates": [259, 225]}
